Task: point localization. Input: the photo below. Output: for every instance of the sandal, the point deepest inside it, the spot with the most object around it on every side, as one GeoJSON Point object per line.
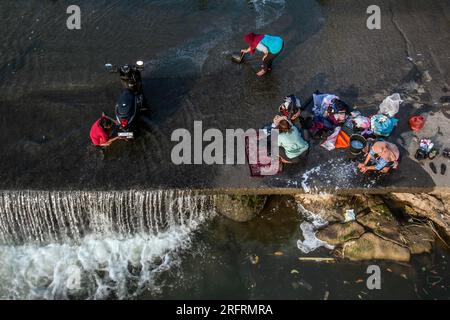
{"type": "Point", "coordinates": [433, 168]}
{"type": "Point", "coordinates": [443, 169]}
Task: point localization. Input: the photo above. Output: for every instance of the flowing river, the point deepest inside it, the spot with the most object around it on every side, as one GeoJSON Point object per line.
{"type": "Point", "coordinates": [173, 245]}
{"type": "Point", "coordinates": [152, 244]}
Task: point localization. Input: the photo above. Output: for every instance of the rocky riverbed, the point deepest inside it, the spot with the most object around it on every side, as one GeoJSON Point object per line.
{"type": "Point", "coordinates": [393, 226]}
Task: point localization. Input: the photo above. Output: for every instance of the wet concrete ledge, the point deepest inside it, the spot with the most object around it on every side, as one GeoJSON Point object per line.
{"type": "Point", "coordinates": [259, 191]}
{"type": "Point", "coordinates": [45, 126]}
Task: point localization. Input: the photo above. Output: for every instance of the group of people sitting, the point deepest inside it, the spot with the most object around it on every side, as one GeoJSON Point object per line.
{"type": "Point", "coordinates": [296, 125]}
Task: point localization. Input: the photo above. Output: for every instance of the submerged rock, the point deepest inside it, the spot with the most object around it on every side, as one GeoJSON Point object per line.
{"type": "Point", "coordinates": [386, 237]}
{"type": "Point", "coordinates": [419, 238]}
{"type": "Point", "coordinates": [372, 247]}
{"type": "Point", "coordinates": [340, 233]}
{"type": "Point", "coordinates": [240, 208]}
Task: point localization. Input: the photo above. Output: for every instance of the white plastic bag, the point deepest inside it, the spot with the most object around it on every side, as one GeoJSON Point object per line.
{"type": "Point", "coordinates": [311, 243]}
{"type": "Point", "coordinates": [391, 105]}
{"type": "Point", "coordinates": [350, 215]}
{"type": "Point", "coordinates": [330, 143]}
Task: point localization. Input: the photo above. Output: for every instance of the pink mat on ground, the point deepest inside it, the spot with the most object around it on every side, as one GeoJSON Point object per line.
{"type": "Point", "coordinates": [263, 166]}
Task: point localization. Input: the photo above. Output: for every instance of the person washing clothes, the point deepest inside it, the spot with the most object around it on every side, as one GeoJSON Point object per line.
{"type": "Point", "coordinates": [293, 148]}
{"type": "Point", "coordinates": [102, 133]}
{"type": "Point", "coordinates": [382, 156]}
{"type": "Point", "coordinates": [270, 46]}
{"type": "Point", "coordinates": [290, 107]}
{"type": "Point", "coordinates": [329, 110]}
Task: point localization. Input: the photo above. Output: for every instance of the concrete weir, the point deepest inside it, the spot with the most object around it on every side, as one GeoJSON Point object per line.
{"type": "Point", "coordinates": [49, 103]}
{"type": "Point", "coordinates": [52, 216]}
{"type": "Point", "coordinates": [48, 108]}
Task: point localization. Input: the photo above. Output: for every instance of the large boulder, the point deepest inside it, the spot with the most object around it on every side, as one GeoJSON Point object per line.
{"type": "Point", "coordinates": [371, 247]}
{"type": "Point", "coordinates": [239, 208]}
{"type": "Point", "coordinates": [339, 233]}
{"type": "Point", "coordinates": [434, 207]}
{"type": "Point", "coordinates": [382, 223]}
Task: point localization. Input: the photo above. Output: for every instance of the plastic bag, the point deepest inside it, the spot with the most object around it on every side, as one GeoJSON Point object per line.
{"type": "Point", "coordinates": [350, 215]}
{"type": "Point", "coordinates": [362, 122]}
{"type": "Point", "coordinates": [330, 143]}
{"type": "Point", "coordinates": [416, 123]}
{"type": "Point", "coordinates": [391, 105]}
{"type": "Point", "coordinates": [383, 125]}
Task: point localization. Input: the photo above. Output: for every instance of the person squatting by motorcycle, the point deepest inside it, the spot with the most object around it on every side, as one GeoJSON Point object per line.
{"type": "Point", "coordinates": [104, 132]}
{"type": "Point", "coordinates": [130, 107]}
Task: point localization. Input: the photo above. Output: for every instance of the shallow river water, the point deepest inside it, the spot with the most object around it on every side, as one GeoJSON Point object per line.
{"type": "Point", "coordinates": [207, 256]}
{"type": "Point", "coordinates": [212, 258]}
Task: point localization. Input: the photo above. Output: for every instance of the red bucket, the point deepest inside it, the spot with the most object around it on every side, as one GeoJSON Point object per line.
{"type": "Point", "coordinates": [416, 123]}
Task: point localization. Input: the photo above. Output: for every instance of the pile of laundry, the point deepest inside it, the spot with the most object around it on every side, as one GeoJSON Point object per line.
{"type": "Point", "coordinates": [331, 114]}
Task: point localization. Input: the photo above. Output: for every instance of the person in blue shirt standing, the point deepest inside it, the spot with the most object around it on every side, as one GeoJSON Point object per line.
{"type": "Point", "coordinates": [270, 46]}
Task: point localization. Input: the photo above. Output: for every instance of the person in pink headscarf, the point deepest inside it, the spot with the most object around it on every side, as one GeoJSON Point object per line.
{"type": "Point", "coordinates": [270, 46]}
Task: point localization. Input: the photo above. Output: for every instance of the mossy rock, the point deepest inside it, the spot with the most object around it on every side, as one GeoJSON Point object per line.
{"type": "Point", "coordinates": [372, 247]}
{"type": "Point", "coordinates": [383, 209]}
{"type": "Point", "coordinates": [381, 222]}
{"type": "Point", "coordinates": [240, 208]}
{"type": "Point", "coordinates": [339, 233]}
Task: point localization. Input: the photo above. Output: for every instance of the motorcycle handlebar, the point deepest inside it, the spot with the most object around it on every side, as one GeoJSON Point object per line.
{"type": "Point", "coordinates": [113, 68]}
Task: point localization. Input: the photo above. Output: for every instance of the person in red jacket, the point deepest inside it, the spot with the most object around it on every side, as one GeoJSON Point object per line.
{"type": "Point", "coordinates": [270, 46]}
{"type": "Point", "coordinates": [102, 133]}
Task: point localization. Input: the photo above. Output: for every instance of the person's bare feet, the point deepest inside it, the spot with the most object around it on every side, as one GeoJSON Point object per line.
{"type": "Point", "coordinates": [261, 73]}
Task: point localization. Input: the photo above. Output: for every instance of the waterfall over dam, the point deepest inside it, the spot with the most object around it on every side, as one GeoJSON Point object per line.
{"type": "Point", "coordinates": [68, 216]}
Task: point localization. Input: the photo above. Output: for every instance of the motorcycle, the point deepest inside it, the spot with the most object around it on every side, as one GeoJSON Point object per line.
{"type": "Point", "coordinates": [131, 102]}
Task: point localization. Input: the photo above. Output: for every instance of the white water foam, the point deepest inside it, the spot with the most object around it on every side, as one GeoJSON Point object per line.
{"type": "Point", "coordinates": [268, 11]}
{"type": "Point", "coordinates": [93, 269]}
{"type": "Point", "coordinates": [309, 229]}
{"type": "Point", "coordinates": [310, 242]}
{"type": "Point", "coordinates": [196, 52]}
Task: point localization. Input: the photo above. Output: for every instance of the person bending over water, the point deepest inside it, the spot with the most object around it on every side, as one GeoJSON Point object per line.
{"type": "Point", "coordinates": [102, 132]}
{"type": "Point", "coordinates": [293, 148]}
{"type": "Point", "coordinates": [270, 46]}
{"type": "Point", "coordinates": [382, 156]}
